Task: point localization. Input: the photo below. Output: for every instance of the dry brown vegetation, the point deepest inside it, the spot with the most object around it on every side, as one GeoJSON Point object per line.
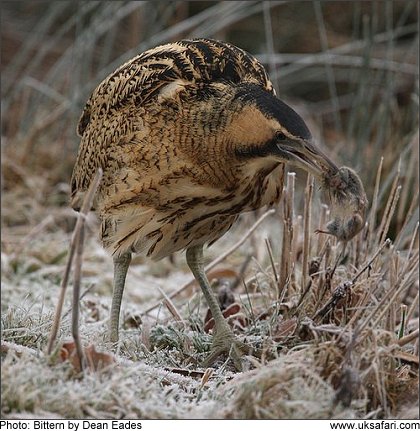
{"type": "Point", "coordinates": [338, 328]}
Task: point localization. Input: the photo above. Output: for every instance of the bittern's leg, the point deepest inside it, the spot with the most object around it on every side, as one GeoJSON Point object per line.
{"type": "Point", "coordinates": [121, 264]}
{"type": "Point", "coordinates": [224, 339]}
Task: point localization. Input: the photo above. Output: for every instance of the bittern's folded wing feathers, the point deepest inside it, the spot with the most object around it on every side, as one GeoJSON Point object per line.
{"type": "Point", "coordinates": [118, 101]}
{"type": "Point", "coordinates": [193, 61]}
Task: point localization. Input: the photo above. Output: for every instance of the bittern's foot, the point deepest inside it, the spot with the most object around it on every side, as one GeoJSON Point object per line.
{"type": "Point", "coordinates": [224, 341]}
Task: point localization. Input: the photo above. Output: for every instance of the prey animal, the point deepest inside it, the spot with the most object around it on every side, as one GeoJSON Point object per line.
{"type": "Point", "coordinates": [348, 202]}
{"type": "Point", "coordinates": [189, 135]}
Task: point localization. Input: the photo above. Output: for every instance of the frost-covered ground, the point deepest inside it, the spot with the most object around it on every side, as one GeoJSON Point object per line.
{"type": "Point", "coordinates": [351, 365]}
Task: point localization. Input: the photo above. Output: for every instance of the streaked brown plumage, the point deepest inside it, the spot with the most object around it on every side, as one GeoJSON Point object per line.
{"type": "Point", "coordinates": [189, 135]}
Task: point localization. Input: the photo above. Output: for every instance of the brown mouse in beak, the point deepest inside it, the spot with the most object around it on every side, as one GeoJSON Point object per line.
{"type": "Point", "coordinates": [348, 202]}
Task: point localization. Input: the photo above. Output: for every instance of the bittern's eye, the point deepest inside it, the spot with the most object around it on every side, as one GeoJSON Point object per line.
{"type": "Point", "coordinates": [280, 136]}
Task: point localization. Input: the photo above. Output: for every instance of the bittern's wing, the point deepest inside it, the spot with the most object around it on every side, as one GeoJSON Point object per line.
{"type": "Point", "coordinates": [108, 114]}
{"type": "Point", "coordinates": [197, 60]}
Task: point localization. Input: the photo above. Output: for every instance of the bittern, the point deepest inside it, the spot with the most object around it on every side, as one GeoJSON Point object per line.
{"type": "Point", "coordinates": [189, 135]}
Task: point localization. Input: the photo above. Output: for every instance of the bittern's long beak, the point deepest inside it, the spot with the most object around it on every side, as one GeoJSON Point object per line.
{"type": "Point", "coordinates": [304, 154]}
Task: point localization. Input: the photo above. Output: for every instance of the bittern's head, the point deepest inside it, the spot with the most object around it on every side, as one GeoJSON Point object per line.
{"type": "Point", "coordinates": [266, 128]}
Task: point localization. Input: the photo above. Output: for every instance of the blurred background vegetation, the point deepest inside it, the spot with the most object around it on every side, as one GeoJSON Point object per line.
{"type": "Point", "coordinates": [349, 67]}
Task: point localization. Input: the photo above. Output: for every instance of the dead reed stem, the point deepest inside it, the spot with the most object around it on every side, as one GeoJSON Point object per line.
{"type": "Point", "coordinates": [408, 338]}
{"type": "Point", "coordinates": [382, 231]}
{"type": "Point", "coordinates": [321, 243]}
{"type": "Point", "coordinates": [286, 250]}
{"type": "Point", "coordinates": [76, 295]}
{"type": "Point", "coordinates": [371, 260]}
{"type": "Point", "coordinates": [390, 214]}
{"type": "Point", "coordinates": [86, 206]}
{"type": "Point", "coordinates": [362, 302]}
{"type": "Point", "coordinates": [307, 221]}
{"type": "Point", "coordinates": [408, 175]}
{"type": "Point", "coordinates": [386, 302]}
{"type": "Point", "coordinates": [270, 254]}
{"type": "Point", "coordinates": [170, 306]}
{"type": "Point", "coordinates": [413, 206]}
{"type": "Point", "coordinates": [374, 207]}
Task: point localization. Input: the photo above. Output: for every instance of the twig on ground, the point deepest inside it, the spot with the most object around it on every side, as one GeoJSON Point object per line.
{"type": "Point", "coordinates": [170, 306]}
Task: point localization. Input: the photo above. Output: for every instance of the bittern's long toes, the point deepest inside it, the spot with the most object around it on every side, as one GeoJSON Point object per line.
{"type": "Point", "coordinates": [224, 341]}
